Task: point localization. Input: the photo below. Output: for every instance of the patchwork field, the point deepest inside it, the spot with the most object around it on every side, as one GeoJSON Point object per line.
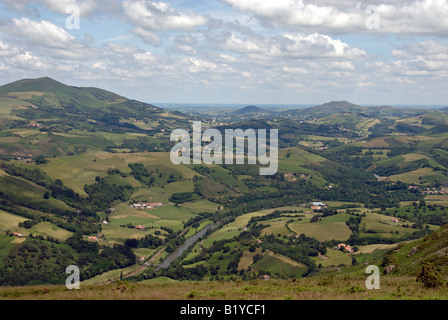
{"type": "Point", "coordinates": [275, 263]}
{"type": "Point", "coordinates": [236, 227]}
{"type": "Point", "coordinates": [420, 176]}
{"type": "Point", "coordinates": [330, 228]}
{"type": "Point", "coordinates": [292, 160]}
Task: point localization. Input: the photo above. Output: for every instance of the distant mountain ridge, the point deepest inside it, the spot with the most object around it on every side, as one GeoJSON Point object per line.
{"type": "Point", "coordinates": [334, 107]}
{"type": "Point", "coordinates": [345, 107]}
{"type": "Point", "coordinates": [251, 109]}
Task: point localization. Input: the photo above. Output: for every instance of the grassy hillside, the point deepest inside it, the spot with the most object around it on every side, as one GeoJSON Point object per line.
{"type": "Point", "coordinates": [328, 287]}
{"type": "Point", "coordinates": [410, 258]}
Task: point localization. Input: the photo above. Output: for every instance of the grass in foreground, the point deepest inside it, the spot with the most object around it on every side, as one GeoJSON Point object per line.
{"type": "Point", "coordinates": [339, 287]}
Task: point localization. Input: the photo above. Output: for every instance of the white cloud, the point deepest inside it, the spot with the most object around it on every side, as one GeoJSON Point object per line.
{"type": "Point", "coordinates": [144, 57]}
{"type": "Point", "coordinates": [86, 7]}
{"type": "Point", "coordinates": [121, 50]}
{"type": "Point", "coordinates": [287, 46]}
{"type": "Point", "coordinates": [337, 17]}
{"type": "Point", "coordinates": [7, 50]}
{"type": "Point", "coordinates": [160, 16]}
{"type": "Point", "coordinates": [199, 65]}
{"type": "Point", "coordinates": [146, 35]}
{"type": "Point", "coordinates": [27, 61]}
{"type": "Point", "coordinates": [236, 44]}
{"type": "Point", "coordinates": [281, 49]}
{"type": "Point", "coordinates": [318, 46]}
{"type": "Point", "coordinates": [42, 33]}
{"type": "Point", "coordinates": [425, 58]}
{"type": "Point", "coordinates": [49, 39]}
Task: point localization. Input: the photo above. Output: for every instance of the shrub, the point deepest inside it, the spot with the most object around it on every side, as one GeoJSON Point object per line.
{"type": "Point", "coordinates": [430, 277]}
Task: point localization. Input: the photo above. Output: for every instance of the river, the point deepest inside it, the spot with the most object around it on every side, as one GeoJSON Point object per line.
{"type": "Point", "coordinates": [184, 246]}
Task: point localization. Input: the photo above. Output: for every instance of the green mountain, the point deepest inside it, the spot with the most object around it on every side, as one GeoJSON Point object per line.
{"type": "Point", "coordinates": [250, 110]}
{"type": "Point", "coordinates": [72, 119]}
{"type": "Point", "coordinates": [47, 86]}
{"type": "Point", "coordinates": [333, 107]}
{"type": "Point", "coordinates": [51, 99]}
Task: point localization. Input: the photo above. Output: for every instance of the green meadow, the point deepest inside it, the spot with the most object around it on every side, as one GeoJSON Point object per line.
{"type": "Point", "coordinates": [26, 191]}
{"type": "Point", "coordinates": [330, 228]}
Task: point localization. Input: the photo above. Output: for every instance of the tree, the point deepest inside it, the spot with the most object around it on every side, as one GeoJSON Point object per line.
{"type": "Point", "coordinates": [196, 225]}
{"type": "Point", "coordinates": [46, 195]}
{"type": "Point", "coordinates": [40, 159]}
{"type": "Point", "coordinates": [257, 257]}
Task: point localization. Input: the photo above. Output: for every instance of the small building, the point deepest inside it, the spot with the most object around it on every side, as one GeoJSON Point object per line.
{"type": "Point", "coordinates": [318, 203]}
{"type": "Point", "coordinates": [140, 227]}
{"type": "Point", "coordinates": [344, 246]}
{"type": "Point", "coordinates": [156, 204]}
{"type": "Point", "coordinates": [93, 238]}
{"type": "Point", "coordinates": [16, 234]}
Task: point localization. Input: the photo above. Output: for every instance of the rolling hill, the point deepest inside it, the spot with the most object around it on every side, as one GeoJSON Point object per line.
{"type": "Point", "coordinates": [45, 117]}
{"type": "Point", "coordinates": [251, 110]}
{"type": "Point", "coordinates": [339, 108]}
{"type": "Point", "coordinates": [51, 99]}
{"type": "Point", "coordinates": [333, 107]}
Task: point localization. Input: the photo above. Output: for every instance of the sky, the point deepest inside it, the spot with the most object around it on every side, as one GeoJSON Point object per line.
{"type": "Point", "coordinates": [233, 51]}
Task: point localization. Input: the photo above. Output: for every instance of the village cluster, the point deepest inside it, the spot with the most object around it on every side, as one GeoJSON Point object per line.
{"type": "Point", "coordinates": [145, 205]}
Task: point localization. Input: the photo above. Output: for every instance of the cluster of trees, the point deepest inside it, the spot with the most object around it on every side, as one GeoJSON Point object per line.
{"type": "Point", "coordinates": [356, 238]}
{"type": "Point", "coordinates": [179, 272]}
{"type": "Point", "coordinates": [421, 213]}
{"type": "Point", "coordinates": [150, 178]}
{"type": "Point", "coordinates": [182, 197]}
{"type": "Point", "coordinates": [273, 215]}
{"type": "Point", "coordinates": [37, 261]}
{"type": "Point", "coordinates": [93, 259]}
{"type": "Point", "coordinates": [299, 249]}
{"type": "Point", "coordinates": [102, 194]}
{"type": "Point", "coordinates": [149, 241]}
{"type": "Point", "coordinates": [35, 175]}
{"type": "Point", "coordinates": [396, 169]}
